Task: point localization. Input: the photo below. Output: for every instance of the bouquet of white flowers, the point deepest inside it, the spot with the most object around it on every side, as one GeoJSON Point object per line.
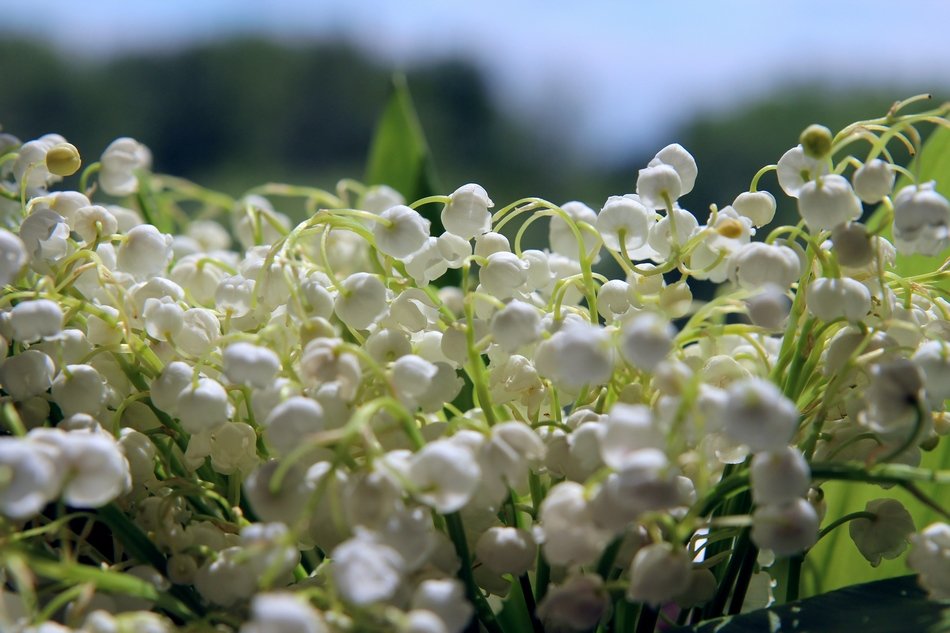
{"type": "Point", "coordinates": [214, 419]}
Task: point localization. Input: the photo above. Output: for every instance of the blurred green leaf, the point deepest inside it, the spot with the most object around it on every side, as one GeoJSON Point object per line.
{"type": "Point", "coordinates": [835, 561]}
{"type": "Point", "coordinates": [885, 606]}
{"type": "Point", "coordinates": [399, 156]}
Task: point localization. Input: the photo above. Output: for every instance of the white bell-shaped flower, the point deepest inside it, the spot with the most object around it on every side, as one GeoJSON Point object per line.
{"type": "Point", "coordinates": [402, 232]}
{"type": "Point", "coordinates": [828, 202]}
{"type": "Point", "coordinates": [884, 536]}
{"type": "Point", "coordinates": [93, 222]}
{"type": "Point", "coordinates": [422, 621]}
{"type": "Point", "coordinates": [516, 325]}
{"type": "Point", "coordinates": [234, 448]}
{"type": "Point", "coordinates": [933, 358]}
{"type": "Point", "coordinates": [291, 421]}
{"type": "Point", "coordinates": [577, 604]}
{"type": "Point", "coordinates": [428, 262]}
{"type": "Point", "coordinates": [283, 612]}
{"type": "Point", "coordinates": [769, 308]}
{"type": "Point", "coordinates": [624, 215]}
{"type": "Point", "coordinates": [758, 415]}
{"type": "Point", "coordinates": [249, 364]}
{"type": "Point", "coordinates": [929, 556]}
{"type": "Point", "coordinates": [570, 536]}
{"type": "Point", "coordinates": [646, 340]}
{"type": "Point", "coordinates": [787, 528]}
{"type": "Point", "coordinates": [234, 295]}
{"type": "Point", "coordinates": [563, 240]}
{"type": "Point", "coordinates": [678, 158]}
{"type": "Point", "coordinates": [169, 384]}
{"type": "Point", "coordinates": [200, 330]}
{"type": "Point", "coordinates": [507, 550]}
{"type": "Point", "coordinates": [45, 235]}
{"type": "Point", "coordinates": [921, 220]}
{"type": "Point", "coordinates": [873, 180]}
{"type": "Point", "coordinates": [36, 319]}
{"type": "Point", "coordinates": [145, 251]}
{"type": "Point", "coordinates": [831, 298]}
{"type": "Point", "coordinates": [412, 375]}
{"type": "Point", "coordinates": [202, 406]}
{"type": "Point", "coordinates": [658, 573]}
{"type": "Point", "coordinates": [779, 476]}
{"type": "Point", "coordinates": [120, 160]}
{"type": "Point", "coordinates": [758, 206]}
{"type": "Point", "coordinates": [164, 318]}
{"type": "Point", "coordinates": [446, 598]}
{"type": "Point", "coordinates": [27, 374]}
{"type": "Point", "coordinates": [30, 478]}
{"type": "Point", "coordinates": [94, 470]}
{"type": "Point", "coordinates": [663, 238]}
{"type": "Point", "coordinates": [659, 186]}
{"type": "Point", "coordinates": [365, 572]}
{"type": "Point", "coordinates": [445, 475]}
{"type": "Point", "coordinates": [79, 389]}
{"type": "Point", "coordinates": [287, 502]}
{"type": "Point", "coordinates": [795, 168]}
{"type": "Point", "coordinates": [629, 428]}
{"type": "Point", "coordinates": [758, 264]}
{"type": "Point", "coordinates": [13, 257]}
{"type": "Point", "coordinates": [491, 242]}
{"type": "Point", "coordinates": [576, 355]}
{"type": "Point", "coordinates": [503, 274]}
{"type": "Point", "coordinates": [466, 214]}
{"type": "Point", "coordinates": [361, 301]}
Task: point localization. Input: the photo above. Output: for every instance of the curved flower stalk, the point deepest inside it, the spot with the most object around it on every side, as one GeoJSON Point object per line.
{"type": "Point", "coordinates": [242, 422]}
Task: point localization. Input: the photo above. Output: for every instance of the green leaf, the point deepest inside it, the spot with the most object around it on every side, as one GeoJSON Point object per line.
{"type": "Point", "coordinates": [885, 606]}
{"type": "Point", "coordinates": [399, 156]}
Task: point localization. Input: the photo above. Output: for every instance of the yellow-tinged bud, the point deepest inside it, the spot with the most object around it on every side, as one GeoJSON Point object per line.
{"type": "Point", "coordinates": [63, 159]}
{"type": "Point", "coordinates": [816, 141]}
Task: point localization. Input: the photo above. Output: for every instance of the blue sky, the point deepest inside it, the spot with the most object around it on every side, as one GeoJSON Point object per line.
{"type": "Point", "coordinates": [606, 72]}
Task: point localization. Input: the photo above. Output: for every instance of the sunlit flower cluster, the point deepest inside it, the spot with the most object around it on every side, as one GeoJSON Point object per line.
{"type": "Point", "coordinates": [396, 415]}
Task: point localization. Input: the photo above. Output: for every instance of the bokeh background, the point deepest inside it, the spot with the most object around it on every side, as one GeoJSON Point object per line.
{"type": "Point", "coordinates": [559, 99]}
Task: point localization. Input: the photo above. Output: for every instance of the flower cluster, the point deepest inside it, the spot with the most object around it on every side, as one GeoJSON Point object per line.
{"type": "Point", "coordinates": [224, 416]}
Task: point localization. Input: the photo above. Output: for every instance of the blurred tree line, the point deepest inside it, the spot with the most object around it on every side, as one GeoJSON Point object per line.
{"type": "Point", "coordinates": [234, 114]}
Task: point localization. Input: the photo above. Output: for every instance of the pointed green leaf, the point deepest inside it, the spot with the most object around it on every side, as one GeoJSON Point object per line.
{"type": "Point", "coordinates": [885, 606]}
{"type": "Point", "coordinates": [399, 156]}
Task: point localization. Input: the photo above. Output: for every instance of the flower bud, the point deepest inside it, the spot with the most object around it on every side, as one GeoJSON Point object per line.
{"type": "Point", "coordinates": [27, 374]}
{"type": "Point", "coordinates": [503, 274]}
{"type": "Point", "coordinates": [816, 141]}
{"type": "Point", "coordinates": [145, 251]}
{"type": "Point", "coordinates": [563, 240]}
{"type": "Point", "coordinates": [202, 406]}
{"type": "Point", "coordinates": [769, 308]}
{"type": "Point", "coordinates": [365, 572]}
{"type": "Point", "coordinates": [120, 160]}
{"type": "Point", "coordinates": [758, 264]}
{"type": "Point", "coordinates": [446, 598]}
{"type": "Point", "coordinates": [63, 159]}
{"type": "Point", "coordinates": [445, 475]}
{"type": "Point", "coordinates": [578, 604]}
{"type": "Point", "coordinates": [79, 389]}
{"type": "Point", "coordinates": [678, 158]}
